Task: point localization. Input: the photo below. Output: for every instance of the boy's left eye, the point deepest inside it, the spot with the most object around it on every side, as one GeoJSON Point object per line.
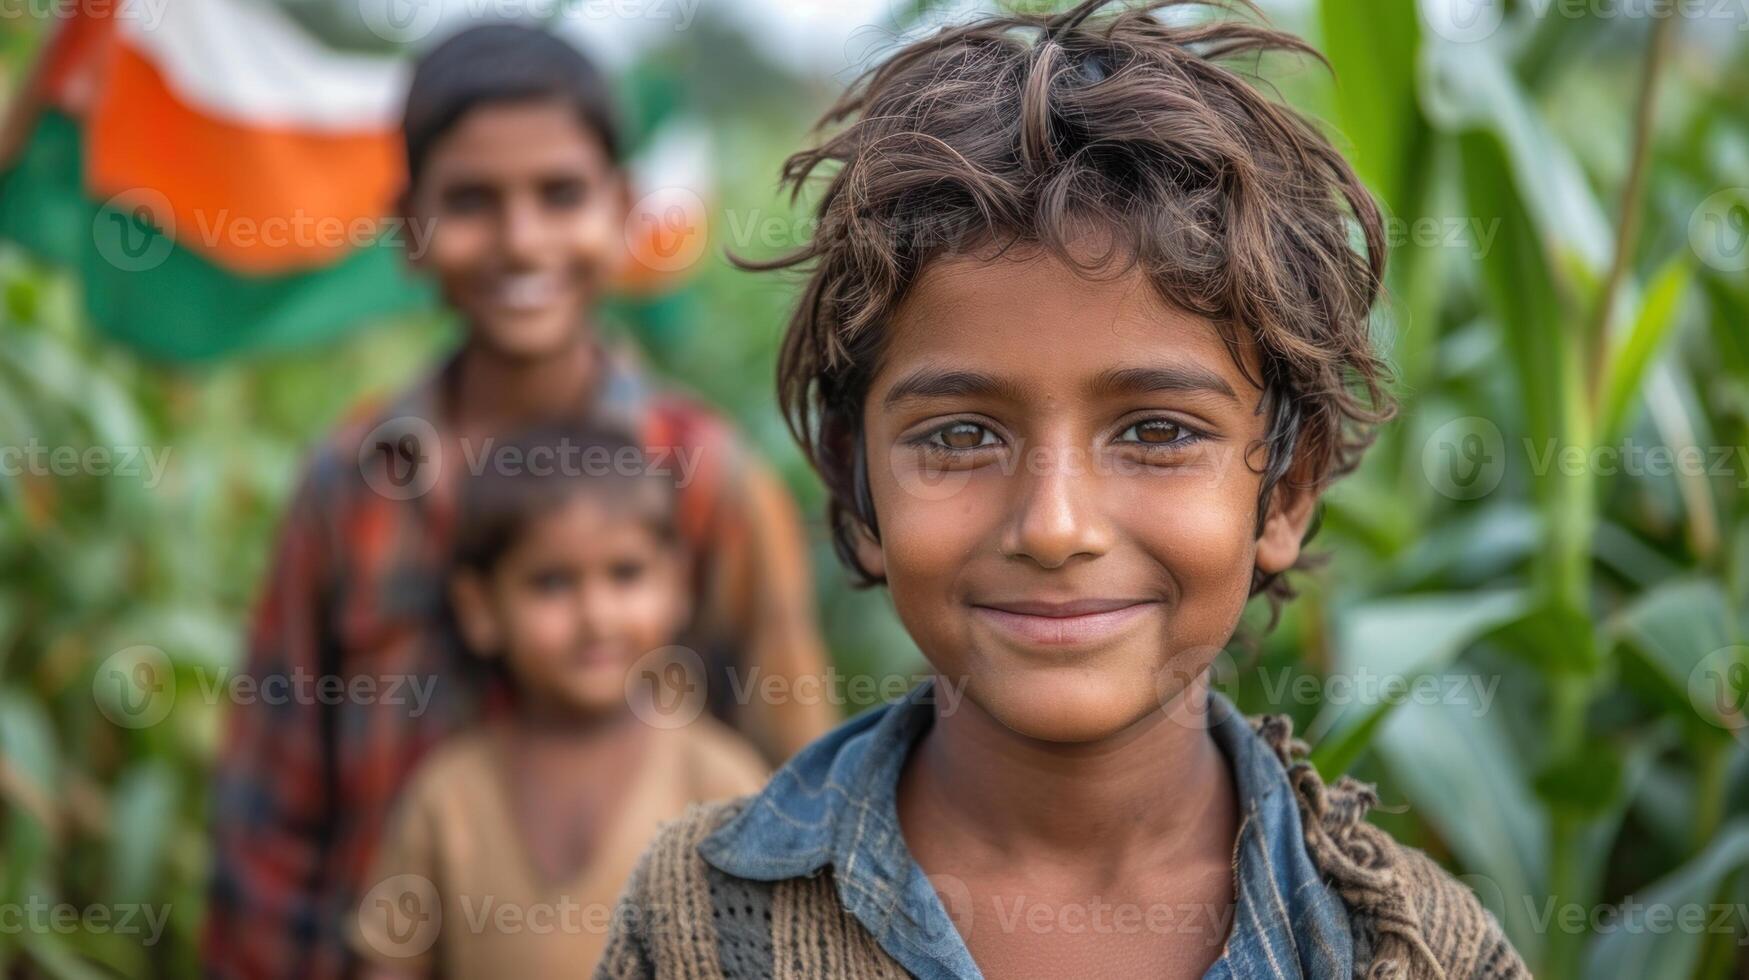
{"type": "Point", "coordinates": [962, 436]}
{"type": "Point", "coordinates": [552, 580]}
{"type": "Point", "coordinates": [563, 192]}
{"type": "Point", "coordinates": [626, 572]}
{"type": "Point", "coordinates": [1155, 432]}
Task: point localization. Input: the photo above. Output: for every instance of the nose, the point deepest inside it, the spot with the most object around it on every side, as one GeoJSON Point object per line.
{"type": "Point", "coordinates": [596, 607]}
{"type": "Point", "coordinates": [1055, 516]}
{"type": "Point", "coordinates": [522, 230]}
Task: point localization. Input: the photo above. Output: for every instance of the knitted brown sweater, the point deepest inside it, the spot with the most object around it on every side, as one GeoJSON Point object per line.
{"type": "Point", "coordinates": [680, 918]}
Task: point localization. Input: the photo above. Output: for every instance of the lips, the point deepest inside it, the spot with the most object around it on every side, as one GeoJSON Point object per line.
{"type": "Point", "coordinates": [527, 291]}
{"type": "Point", "coordinates": [1078, 622]}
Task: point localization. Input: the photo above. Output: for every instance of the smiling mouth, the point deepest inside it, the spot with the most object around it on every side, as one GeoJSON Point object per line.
{"type": "Point", "coordinates": [526, 292]}
{"type": "Point", "coordinates": [1078, 623]}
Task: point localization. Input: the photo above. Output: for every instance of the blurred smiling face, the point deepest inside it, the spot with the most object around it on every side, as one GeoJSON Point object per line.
{"type": "Point", "coordinates": [525, 213]}
{"type": "Point", "coordinates": [585, 591]}
{"type": "Point", "coordinates": [1065, 476]}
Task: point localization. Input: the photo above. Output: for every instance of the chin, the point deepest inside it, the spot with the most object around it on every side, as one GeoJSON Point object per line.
{"type": "Point", "coordinates": [1063, 706]}
{"type": "Point", "coordinates": [528, 338]}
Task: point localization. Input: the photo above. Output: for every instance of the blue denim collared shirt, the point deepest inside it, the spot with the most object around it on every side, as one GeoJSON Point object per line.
{"type": "Point", "coordinates": [835, 804]}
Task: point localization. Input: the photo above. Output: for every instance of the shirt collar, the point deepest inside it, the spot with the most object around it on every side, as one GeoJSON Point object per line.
{"type": "Point", "coordinates": [834, 805]}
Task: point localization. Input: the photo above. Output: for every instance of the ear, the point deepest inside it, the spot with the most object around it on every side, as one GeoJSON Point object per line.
{"type": "Point", "coordinates": [1290, 513]}
{"type": "Point", "coordinates": [474, 614]}
{"type": "Point", "coordinates": [869, 553]}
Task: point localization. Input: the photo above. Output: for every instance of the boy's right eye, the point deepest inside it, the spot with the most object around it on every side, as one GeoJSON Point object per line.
{"type": "Point", "coordinates": [466, 199]}
{"type": "Point", "coordinates": [563, 192]}
{"type": "Point", "coordinates": [551, 580]}
{"type": "Point", "coordinates": [962, 437]}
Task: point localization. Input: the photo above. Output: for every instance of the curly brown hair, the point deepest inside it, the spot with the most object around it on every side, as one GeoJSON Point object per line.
{"type": "Point", "coordinates": [1035, 129]}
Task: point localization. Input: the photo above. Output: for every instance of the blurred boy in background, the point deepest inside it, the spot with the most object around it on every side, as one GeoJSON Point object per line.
{"type": "Point", "coordinates": [513, 165]}
{"type": "Point", "coordinates": [512, 840]}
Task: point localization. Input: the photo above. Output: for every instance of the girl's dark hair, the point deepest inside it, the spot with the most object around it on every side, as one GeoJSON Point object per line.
{"type": "Point", "coordinates": [533, 474]}
{"type": "Point", "coordinates": [1037, 129]}
{"type": "Point", "coordinates": [496, 63]}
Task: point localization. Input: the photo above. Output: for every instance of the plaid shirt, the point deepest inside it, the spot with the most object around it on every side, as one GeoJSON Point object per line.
{"type": "Point", "coordinates": [357, 674]}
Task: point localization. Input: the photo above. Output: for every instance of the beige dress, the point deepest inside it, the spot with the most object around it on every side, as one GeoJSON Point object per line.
{"type": "Point", "coordinates": [454, 889]}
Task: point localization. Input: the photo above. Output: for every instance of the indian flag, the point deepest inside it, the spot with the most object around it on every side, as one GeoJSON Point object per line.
{"type": "Point", "coordinates": [220, 180]}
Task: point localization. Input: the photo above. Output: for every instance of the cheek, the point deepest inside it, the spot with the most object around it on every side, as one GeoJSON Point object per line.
{"type": "Point", "coordinates": [457, 246]}
{"type": "Point", "coordinates": [648, 613]}
{"type": "Point", "coordinates": [930, 532]}
{"type": "Point", "coordinates": [544, 624]}
{"type": "Point", "coordinates": [595, 233]}
{"type": "Point", "coordinates": [1204, 534]}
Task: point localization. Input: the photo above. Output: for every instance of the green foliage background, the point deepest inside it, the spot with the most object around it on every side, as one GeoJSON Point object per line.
{"type": "Point", "coordinates": [1610, 608]}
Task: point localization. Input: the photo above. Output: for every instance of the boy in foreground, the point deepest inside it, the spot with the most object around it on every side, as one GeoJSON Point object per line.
{"type": "Point", "coordinates": [1085, 338]}
{"type": "Point", "coordinates": [513, 166]}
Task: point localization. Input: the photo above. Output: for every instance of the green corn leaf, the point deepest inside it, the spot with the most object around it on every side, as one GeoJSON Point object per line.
{"type": "Point", "coordinates": [1652, 326]}
{"type": "Point", "coordinates": [1637, 945]}
{"type": "Point", "coordinates": [1463, 776]}
{"type": "Point", "coordinates": [1372, 46]}
{"type": "Point", "coordinates": [1404, 639]}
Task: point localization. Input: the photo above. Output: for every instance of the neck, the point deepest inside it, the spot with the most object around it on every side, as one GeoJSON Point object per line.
{"type": "Point", "coordinates": [497, 392]}
{"type": "Point", "coordinates": [537, 722]}
{"type": "Point", "coordinates": [1160, 787]}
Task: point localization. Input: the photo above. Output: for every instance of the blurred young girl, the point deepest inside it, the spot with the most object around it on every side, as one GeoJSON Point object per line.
{"type": "Point", "coordinates": [512, 840]}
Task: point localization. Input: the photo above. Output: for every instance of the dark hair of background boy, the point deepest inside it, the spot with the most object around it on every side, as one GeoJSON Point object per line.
{"type": "Point", "coordinates": [502, 63]}
{"type": "Point", "coordinates": [1027, 129]}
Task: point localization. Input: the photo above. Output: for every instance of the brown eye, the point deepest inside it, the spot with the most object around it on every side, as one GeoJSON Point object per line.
{"type": "Point", "coordinates": [467, 199]}
{"type": "Point", "coordinates": [963, 436]}
{"type": "Point", "coordinates": [1155, 432]}
{"type": "Point", "coordinates": [626, 572]}
{"type": "Point", "coordinates": [563, 193]}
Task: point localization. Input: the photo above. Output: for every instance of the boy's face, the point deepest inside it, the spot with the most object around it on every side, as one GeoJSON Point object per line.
{"type": "Point", "coordinates": [586, 590]}
{"type": "Point", "coordinates": [525, 213]}
{"type": "Point", "coordinates": [1065, 476]}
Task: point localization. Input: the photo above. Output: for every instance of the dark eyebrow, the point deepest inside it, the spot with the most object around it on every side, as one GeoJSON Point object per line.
{"type": "Point", "coordinates": [1141, 380]}
{"type": "Point", "coordinates": [930, 383]}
